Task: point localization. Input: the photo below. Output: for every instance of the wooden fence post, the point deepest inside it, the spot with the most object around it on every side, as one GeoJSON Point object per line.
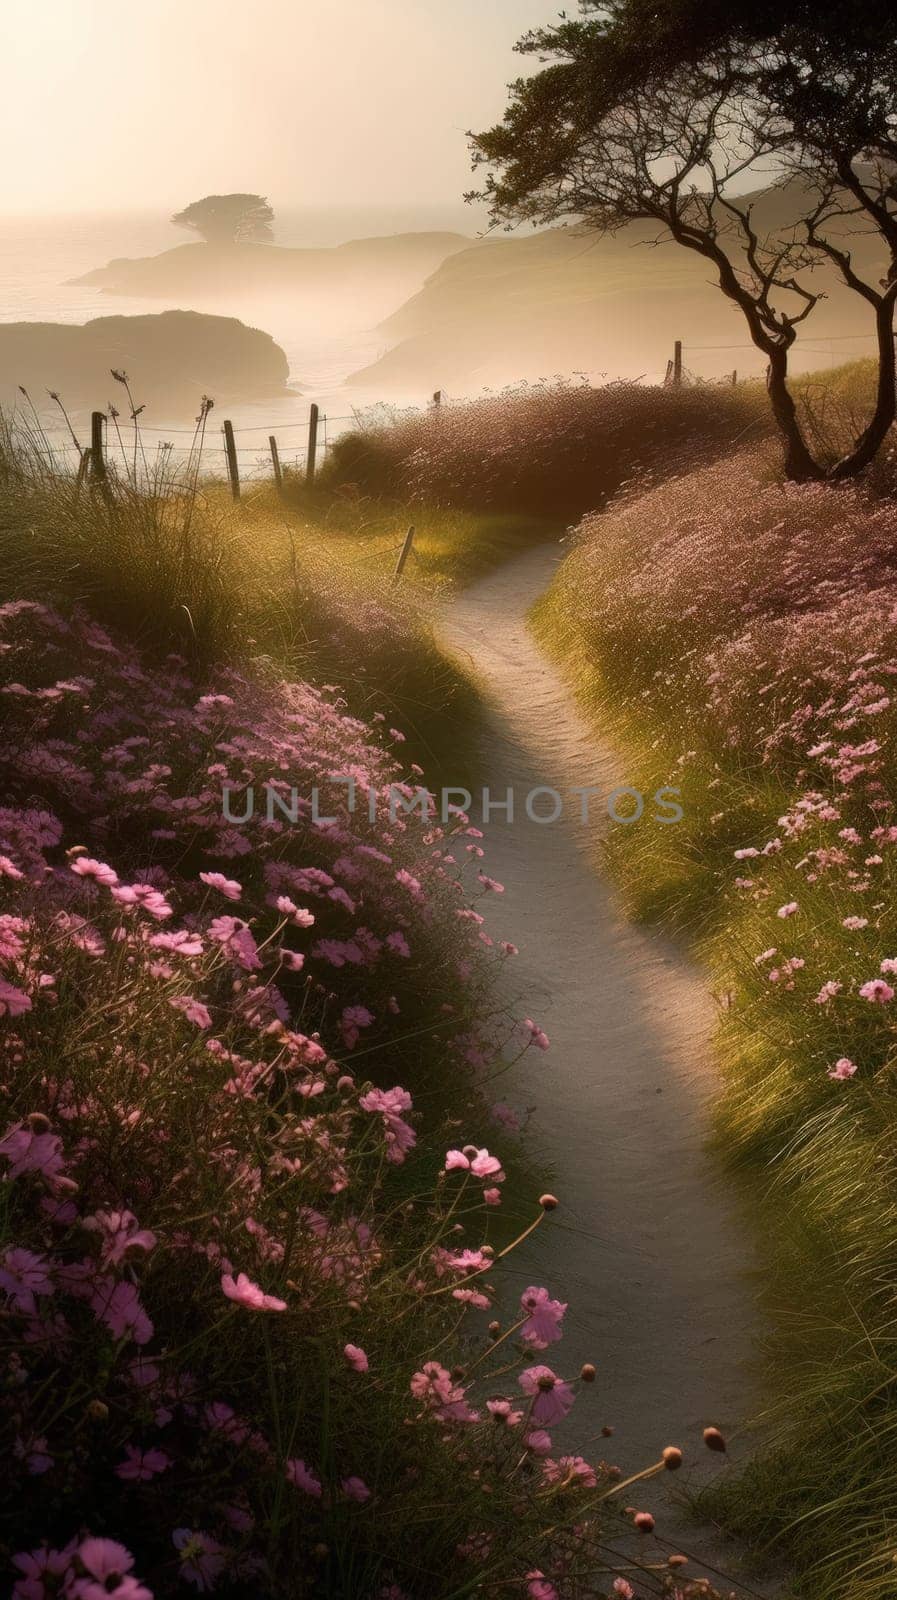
{"type": "Point", "coordinates": [275, 462]}
{"type": "Point", "coordinates": [437, 399]}
{"type": "Point", "coordinates": [677, 364]}
{"type": "Point", "coordinates": [233, 467]}
{"type": "Point", "coordinates": [404, 553]}
{"type": "Point", "coordinates": [83, 465]}
{"type": "Point", "coordinates": [97, 447]}
{"type": "Point", "coordinates": [734, 379]}
{"type": "Point", "coordinates": [311, 457]}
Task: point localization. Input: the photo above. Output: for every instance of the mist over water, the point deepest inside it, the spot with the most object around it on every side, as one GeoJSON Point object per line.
{"type": "Point", "coordinates": [323, 340]}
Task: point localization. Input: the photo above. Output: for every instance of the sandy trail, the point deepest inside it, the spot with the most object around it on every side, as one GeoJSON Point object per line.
{"type": "Point", "coordinates": [647, 1249]}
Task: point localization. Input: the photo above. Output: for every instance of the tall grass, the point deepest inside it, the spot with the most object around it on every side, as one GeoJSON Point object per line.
{"type": "Point", "coordinates": [556, 449]}
{"type": "Point", "coordinates": [172, 564]}
{"type": "Point", "coordinates": [740, 639]}
{"type": "Point", "coordinates": [251, 1234]}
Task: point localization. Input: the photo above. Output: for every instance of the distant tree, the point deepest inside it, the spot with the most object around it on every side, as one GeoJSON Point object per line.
{"type": "Point", "coordinates": [672, 110]}
{"type": "Point", "coordinates": [228, 219]}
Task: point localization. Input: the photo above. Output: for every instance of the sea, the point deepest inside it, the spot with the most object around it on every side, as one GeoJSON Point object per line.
{"type": "Point", "coordinates": [40, 255]}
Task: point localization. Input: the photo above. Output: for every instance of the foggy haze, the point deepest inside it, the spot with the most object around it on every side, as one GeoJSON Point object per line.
{"type": "Point", "coordinates": [364, 103]}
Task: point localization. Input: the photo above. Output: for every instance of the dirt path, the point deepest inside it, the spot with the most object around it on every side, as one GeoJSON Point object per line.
{"type": "Point", "coordinates": [646, 1249]}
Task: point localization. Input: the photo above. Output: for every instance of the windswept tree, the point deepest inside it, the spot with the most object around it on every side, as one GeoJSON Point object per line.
{"type": "Point", "coordinates": [677, 113]}
{"type": "Point", "coordinates": [229, 219]}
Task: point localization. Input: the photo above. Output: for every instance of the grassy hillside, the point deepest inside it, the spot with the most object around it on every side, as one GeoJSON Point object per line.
{"type": "Point", "coordinates": [532, 305]}
{"type": "Point", "coordinates": [736, 636]}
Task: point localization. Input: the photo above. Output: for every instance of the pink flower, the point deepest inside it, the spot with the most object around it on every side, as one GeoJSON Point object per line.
{"type": "Point", "coordinates": [142, 1465]}
{"type": "Point", "coordinates": [877, 991]}
{"type": "Point", "coordinates": [13, 1002]}
{"type": "Point", "coordinates": [229, 887]}
{"type": "Point", "coordinates": [400, 1138]}
{"type": "Point", "coordinates": [86, 867]}
{"type": "Point", "coordinates": [121, 1232]}
{"type": "Point", "coordinates": [502, 1411]}
{"type": "Point", "coordinates": [235, 937]}
{"type": "Point", "coordinates": [193, 1010]}
{"type": "Point", "coordinates": [539, 1588]}
{"type": "Point", "coordinates": [544, 1315]}
{"type": "Point", "coordinates": [22, 1276]}
{"type": "Point", "coordinates": [202, 1558]}
{"type": "Point", "coordinates": [143, 896]}
{"type": "Point", "coordinates": [105, 1563]}
{"type": "Point", "coordinates": [537, 1036]}
{"type": "Point", "coordinates": [302, 1478]}
{"type": "Point", "coordinates": [355, 1489]}
{"type": "Point", "coordinates": [246, 1293]}
{"type": "Point", "coordinates": [32, 1152]}
{"type": "Point", "coordinates": [119, 1307]}
{"type": "Point", "coordinates": [356, 1357]}
{"type": "Point", "coordinates": [843, 1068]}
{"type": "Point", "coordinates": [787, 910]}
{"type": "Point", "coordinates": [481, 1164]}
{"type": "Point", "coordinates": [539, 1442]}
{"type": "Point", "coordinates": [570, 1469]}
{"type": "Point", "coordinates": [551, 1396]}
{"type": "Point", "coordinates": [40, 1569]}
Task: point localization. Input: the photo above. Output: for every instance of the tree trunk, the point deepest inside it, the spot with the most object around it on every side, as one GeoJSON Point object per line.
{"type": "Point", "coordinates": [873, 436]}
{"type": "Point", "coordinates": [800, 467]}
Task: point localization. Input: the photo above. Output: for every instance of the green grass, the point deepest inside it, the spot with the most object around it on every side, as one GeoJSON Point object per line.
{"type": "Point", "coordinates": [816, 1166]}
{"type": "Point", "coordinates": [304, 584]}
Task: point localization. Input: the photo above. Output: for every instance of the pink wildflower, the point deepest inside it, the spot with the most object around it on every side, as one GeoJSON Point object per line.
{"type": "Point", "coordinates": [300, 1476]}
{"type": "Point", "coordinates": [13, 1002]}
{"type": "Point", "coordinates": [355, 1489]}
{"type": "Point", "coordinates": [843, 1068]}
{"type": "Point", "coordinates": [193, 1010]}
{"type": "Point", "coordinates": [246, 1293]}
{"type": "Point", "coordinates": [481, 1164]}
{"type": "Point", "coordinates": [229, 887]}
{"type": "Point", "coordinates": [86, 867]}
{"type": "Point", "coordinates": [877, 992]}
{"type": "Point", "coordinates": [356, 1357]}
{"type": "Point", "coordinates": [544, 1315]}
{"type": "Point", "coordinates": [22, 1276]}
{"type": "Point", "coordinates": [539, 1588]}
{"type": "Point", "coordinates": [202, 1558]}
{"type": "Point", "coordinates": [140, 1466]}
{"type": "Point", "coordinates": [143, 896]}
{"type": "Point", "coordinates": [551, 1396]}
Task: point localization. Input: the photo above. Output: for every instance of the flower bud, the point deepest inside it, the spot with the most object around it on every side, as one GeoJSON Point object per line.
{"type": "Point", "coordinates": [644, 1521]}
{"type": "Point", "coordinates": [607, 1431]}
{"type": "Point", "coordinates": [97, 1410]}
{"type": "Point", "coordinates": [548, 1202]}
{"type": "Point", "coordinates": [588, 1373]}
{"type": "Point", "coordinates": [714, 1439]}
{"type": "Point", "coordinates": [37, 1122]}
{"type": "Point", "coordinates": [672, 1458]}
{"type": "Point", "coordinates": [677, 1561]}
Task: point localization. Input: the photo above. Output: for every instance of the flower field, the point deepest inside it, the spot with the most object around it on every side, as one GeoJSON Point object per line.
{"type": "Point", "coordinates": [251, 1228]}
{"type": "Point", "coordinates": [740, 638]}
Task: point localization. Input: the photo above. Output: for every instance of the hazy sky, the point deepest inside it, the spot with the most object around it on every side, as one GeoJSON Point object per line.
{"type": "Point", "coordinates": [110, 104]}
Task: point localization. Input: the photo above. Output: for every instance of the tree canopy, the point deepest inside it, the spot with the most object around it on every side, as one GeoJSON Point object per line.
{"type": "Point", "coordinates": [675, 111]}
{"type": "Point", "coordinates": [228, 219]}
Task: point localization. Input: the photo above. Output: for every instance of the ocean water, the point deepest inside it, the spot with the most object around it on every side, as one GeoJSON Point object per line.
{"type": "Point", "coordinates": [39, 255]}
